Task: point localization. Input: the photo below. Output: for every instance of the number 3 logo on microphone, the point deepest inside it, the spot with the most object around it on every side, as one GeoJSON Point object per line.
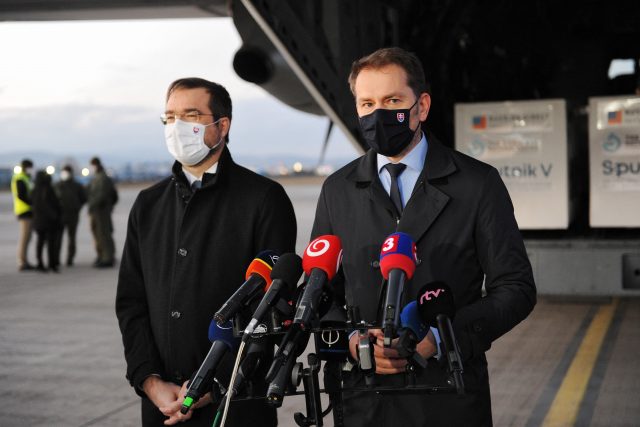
{"type": "Point", "coordinates": [389, 244]}
{"type": "Point", "coordinates": [318, 247]}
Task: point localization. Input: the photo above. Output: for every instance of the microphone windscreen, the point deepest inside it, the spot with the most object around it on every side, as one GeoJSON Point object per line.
{"type": "Point", "coordinates": [325, 253]}
{"type": "Point", "coordinates": [435, 298]}
{"type": "Point", "coordinates": [262, 265]}
{"type": "Point", "coordinates": [398, 253]}
{"type": "Point", "coordinates": [410, 318]}
{"type": "Point", "coordinates": [223, 333]}
{"type": "Point", "coordinates": [288, 269]}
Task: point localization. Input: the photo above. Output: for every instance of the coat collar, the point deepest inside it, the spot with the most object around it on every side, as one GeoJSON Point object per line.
{"type": "Point", "coordinates": [427, 200]}
{"type": "Point", "coordinates": [225, 165]}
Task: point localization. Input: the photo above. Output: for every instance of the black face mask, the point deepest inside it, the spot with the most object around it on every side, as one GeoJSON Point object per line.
{"type": "Point", "coordinates": [387, 131]}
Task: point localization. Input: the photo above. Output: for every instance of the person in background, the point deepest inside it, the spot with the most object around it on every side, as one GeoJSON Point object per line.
{"type": "Point", "coordinates": [47, 220]}
{"type": "Point", "coordinates": [72, 196]}
{"type": "Point", "coordinates": [21, 187]}
{"type": "Point", "coordinates": [101, 197]}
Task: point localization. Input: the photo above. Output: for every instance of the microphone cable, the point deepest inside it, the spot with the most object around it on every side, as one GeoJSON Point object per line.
{"type": "Point", "coordinates": [230, 388]}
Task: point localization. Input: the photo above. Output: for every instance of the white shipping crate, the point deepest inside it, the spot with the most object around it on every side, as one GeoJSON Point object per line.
{"type": "Point", "coordinates": [527, 142]}
{"type": "Point", "coordinates": [614, 161]}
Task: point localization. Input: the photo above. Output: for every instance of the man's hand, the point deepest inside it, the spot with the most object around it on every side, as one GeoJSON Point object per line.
{"type": "Point", "coordinates": [388, 361]}
{"type": "Point", "coordinates": [160, 392]}
{"type": "Point", "coordinates": [172, 410]}
{"type": "Point", "coordinates": [427, 347]}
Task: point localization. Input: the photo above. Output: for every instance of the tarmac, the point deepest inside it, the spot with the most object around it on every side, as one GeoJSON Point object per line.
{"type": "Point", "coordinates": [573, 361]}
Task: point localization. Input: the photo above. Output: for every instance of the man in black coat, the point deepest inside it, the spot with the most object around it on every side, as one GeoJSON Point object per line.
{"type": "Point", "coordinates": [458, 212]}
{"type": "Point", "coordinates": [72, 196]}
{"type": "Point", "coordinates": [189, 241]}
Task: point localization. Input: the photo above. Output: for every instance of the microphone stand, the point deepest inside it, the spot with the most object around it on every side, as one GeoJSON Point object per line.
{"type": "Point", "coordinates": [311, 386]}
{"type": "Point", "coordinates": [451, 351]}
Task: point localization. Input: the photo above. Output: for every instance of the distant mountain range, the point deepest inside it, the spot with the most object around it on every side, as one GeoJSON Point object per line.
{"type": "Point", "coordinates": [130, 168]}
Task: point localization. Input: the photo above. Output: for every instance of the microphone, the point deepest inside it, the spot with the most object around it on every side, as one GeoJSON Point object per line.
{"type": "Point", "coordinates": [435, 298]}
{"type": "Point", "coordinates": [397, 263]}
{"type": "Point", "coordinates": [321, 261]}
{"type": "Point", "coordinates": [257, 278]}
{"type": "Point", "coordinates": [410, 319]}
{"type": "Point", "coordinates": [413, 330]}
{"type": "Point", "coordinates": [437, 308]}
{"type": "Point", "coordinates": [223, 341]}
{"type": "Point", "coordinates": [284, 276]}
{"type": "Point", "coordinates": [282, 381]}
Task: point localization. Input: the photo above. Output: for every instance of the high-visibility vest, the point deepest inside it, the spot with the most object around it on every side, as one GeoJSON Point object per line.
{"type": "Point", "coordinates": [19, 206]}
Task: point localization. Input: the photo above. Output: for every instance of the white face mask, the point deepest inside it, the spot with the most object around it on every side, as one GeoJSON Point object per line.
{"type": "Point", "coordinates": [185, 141]}
{"type": "Point", "coordinates": [65, 175]}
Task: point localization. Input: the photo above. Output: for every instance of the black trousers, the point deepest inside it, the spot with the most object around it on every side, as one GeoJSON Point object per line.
{"type": "Point", "coordinates": [419, 408]}
{"type": "Point", "coordinates": [50, 238]}
{"type": "Point", "coordinates": [242, 414]}
{"type": "Point", "coordinates": [71, 226]}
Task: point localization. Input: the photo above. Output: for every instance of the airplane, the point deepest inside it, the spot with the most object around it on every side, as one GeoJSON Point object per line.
{"type": "Point", "coordinates": [301, 52]}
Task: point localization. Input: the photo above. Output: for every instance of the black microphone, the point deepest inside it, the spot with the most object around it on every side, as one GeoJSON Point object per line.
{"type": "Point", "coordinates": [397, 264]}
{"type": "Point", "coordinates": [435, 298]}
{"type": "Point", "coordinates": [279, 375]}
{"type": "Point", "coordinates": [437, 308]}
{"type": "Point", "coordinates": [321, 261]}
{"type": "Point", "coordinates": [285, 275]}
{"type": "Point", "coordinates": [292, 345]}
{"type": "Point", "coordinates": [248, 366]}
{"type": "Point", "coordinates": [223, 341]}
{"type": "Point", "coordinates": [258, 277]}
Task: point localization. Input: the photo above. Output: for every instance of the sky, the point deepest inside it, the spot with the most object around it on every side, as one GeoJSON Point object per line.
{"type": "Point", "coordinates": [84, 88]}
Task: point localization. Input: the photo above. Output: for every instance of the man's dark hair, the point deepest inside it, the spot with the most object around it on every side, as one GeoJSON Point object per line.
{"type": "Point", "coordinates": [95, 161]}
{"type": "Point", "coordinates": [26, 163]}
{"type": "Point", "coordinates": [68, 168]}
{"type": "Point", "coordinates": [408, 61]}
{"type": "Point", "coordinates": [219, 99]}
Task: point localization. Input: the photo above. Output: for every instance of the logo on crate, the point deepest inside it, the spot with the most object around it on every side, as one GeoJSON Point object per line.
{"type": "Point", "coordinates": [612, 143]}
{"type": "Point", "coordinates": [614, 117]}
{"type": "Point", "coordinates": [479, 122]}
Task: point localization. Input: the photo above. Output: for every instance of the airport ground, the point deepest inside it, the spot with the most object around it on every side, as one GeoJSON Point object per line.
{"type": "Point", "coordinates": [574, 361]}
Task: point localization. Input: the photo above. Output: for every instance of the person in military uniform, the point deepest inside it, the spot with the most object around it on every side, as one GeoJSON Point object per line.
{"type": "Point", "coordinates": [101, 197]}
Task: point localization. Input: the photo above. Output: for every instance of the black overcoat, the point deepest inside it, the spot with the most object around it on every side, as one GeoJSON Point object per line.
{"type": "Point", "coordinates": [461, 217]}
{"type": "Point", "coordinates": [184, 255]}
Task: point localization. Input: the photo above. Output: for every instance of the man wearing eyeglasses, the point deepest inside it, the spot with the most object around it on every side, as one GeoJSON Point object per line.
{"type": "Point", "coordinates": [189, 241]}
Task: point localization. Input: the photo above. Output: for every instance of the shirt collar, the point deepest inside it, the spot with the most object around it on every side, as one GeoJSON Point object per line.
{"type": "Point", "coordinates": [414, 159]}
{"type": "Point", "coordinates": [192, 178]}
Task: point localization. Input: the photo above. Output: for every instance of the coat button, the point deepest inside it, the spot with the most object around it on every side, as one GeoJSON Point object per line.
{"type": "Point", "coordinates": [182, 252]}
{"type": "Point", "coordinates": [477, 327]}
{"type": "Point", "coordinates": [176, 314]}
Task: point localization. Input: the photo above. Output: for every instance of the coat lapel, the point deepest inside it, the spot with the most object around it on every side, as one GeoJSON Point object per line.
{"type": "Point", "coordinates": [365, 176]}
{"type": "Point", "coordinates": [427, 201]}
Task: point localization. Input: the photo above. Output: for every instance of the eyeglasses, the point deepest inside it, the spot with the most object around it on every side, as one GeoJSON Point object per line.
{"type": "Point", "coordinates": [191, 116]}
